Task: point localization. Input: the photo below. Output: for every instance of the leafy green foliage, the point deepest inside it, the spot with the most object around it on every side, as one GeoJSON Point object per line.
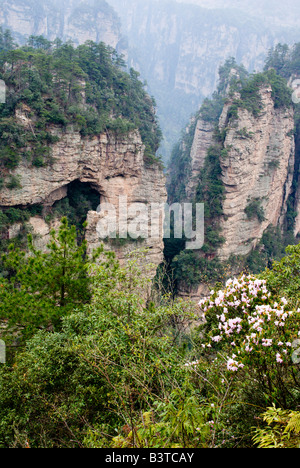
{"type": "Point", "coordinates": [192, 269]}
{"type": "Point", "coordinates": [249, 90]}
{"type": "Point", "coordinates": [210, 189]}
{"type": "Point", "coordinates": [277, 58]}
{"type": "Point", "coordinates": [283, 277]}
{"type": "Point", "coordinates": [281, 431]}
{"type": "Point", "coordinates": [111, 369]}
{"type": "Point", "coordinates": [229, 74]}
{"type": "Point", "coordinates": [284, 60]}
{"type": "Point", "coordinates": [270, 248]}
{"type": "Point", "coordinates": [250, 98]}
{"type": "Point", "coordinates": [111, 360]}
{"type": "Point", "coordinates": [251, 335]}
{"type": "Point", "coordinates": [281, 93]}
{"type": "Point", "coordinates": [51, 394]}
{"type": "Point", "coordinates": [179, 167]}
{"type": "Point", "coordinates": [16, 216]}
{"type": "Point", "coordinates": [211, 109]}
{"type": "Point", "coordinates": [180, 422]}
{"type": "Point", "coordinates": [41, 288]}
{"type": "Point", "coordinates": [231, 77]}
{"type": "Point", "coordinates": [122, 373]}
{"type": "Point", "coordinates": [57, 84]}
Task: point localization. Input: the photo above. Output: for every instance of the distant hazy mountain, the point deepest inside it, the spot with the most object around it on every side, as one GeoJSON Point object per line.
{"type": "Point", "coordinates": [76, 20]}
{"type": "Point", "coordinates": [285, 13]}
{"type": "Point", "coordinates": [178, 48]}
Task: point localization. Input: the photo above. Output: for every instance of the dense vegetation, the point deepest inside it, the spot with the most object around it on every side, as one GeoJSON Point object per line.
{"type": "Point", "coordinates": [115, 371]}
{"type": "Point", "coordinates": [93, 360]}
{"type": "Point", "coordinates": [53, 282]}
{"type": "Point", "coordinates": [54, 83]}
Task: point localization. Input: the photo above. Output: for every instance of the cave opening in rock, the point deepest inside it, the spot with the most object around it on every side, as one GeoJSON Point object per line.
{"type": "Point", "coordinates": [81, 198]}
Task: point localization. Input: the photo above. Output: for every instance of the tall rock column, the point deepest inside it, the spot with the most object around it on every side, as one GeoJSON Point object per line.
{"type": "Point", "coordinates": [257, 173]}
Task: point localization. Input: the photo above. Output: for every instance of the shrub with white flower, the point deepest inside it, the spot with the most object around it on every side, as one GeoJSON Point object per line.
{"type": "Point", "coordinates": [245, 318]}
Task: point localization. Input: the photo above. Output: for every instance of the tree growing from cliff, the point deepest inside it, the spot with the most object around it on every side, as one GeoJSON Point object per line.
{"type": "Point", "coordinates": [59, 84]}
{"type": "Point", "coordinates": [41, 288]}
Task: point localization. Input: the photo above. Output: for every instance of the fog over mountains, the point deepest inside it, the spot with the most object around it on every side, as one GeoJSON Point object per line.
{"type": "Point", "coordinates": [177, 46]}
{"type": "Point", "coordinates": [271, 11]}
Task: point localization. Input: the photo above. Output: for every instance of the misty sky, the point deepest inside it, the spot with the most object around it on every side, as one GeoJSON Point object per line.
{"type": "Point", "coordinates": [279, 12]}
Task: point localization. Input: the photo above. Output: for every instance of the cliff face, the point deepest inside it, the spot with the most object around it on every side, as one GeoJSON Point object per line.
{"type": "Point", "coordinates": [258, 169]}
{"type": "Point", "coordinates": [239, 157]}
{"type": "Point", "coordinates": [77, 132]}
{"type": "Point", "coordinates": [113, 166]}
{"type": "Point", "coordinates": [203, 139]}
{"type": "Point", "coordinates": [67, 20]}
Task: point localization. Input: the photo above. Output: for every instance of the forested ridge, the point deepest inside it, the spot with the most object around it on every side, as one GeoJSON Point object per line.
{"type": "Point", "coordinates": [59, 84]}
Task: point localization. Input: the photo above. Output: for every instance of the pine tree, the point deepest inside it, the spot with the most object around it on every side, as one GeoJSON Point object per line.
{"type": "Point", "coordinates": [42, 287]}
